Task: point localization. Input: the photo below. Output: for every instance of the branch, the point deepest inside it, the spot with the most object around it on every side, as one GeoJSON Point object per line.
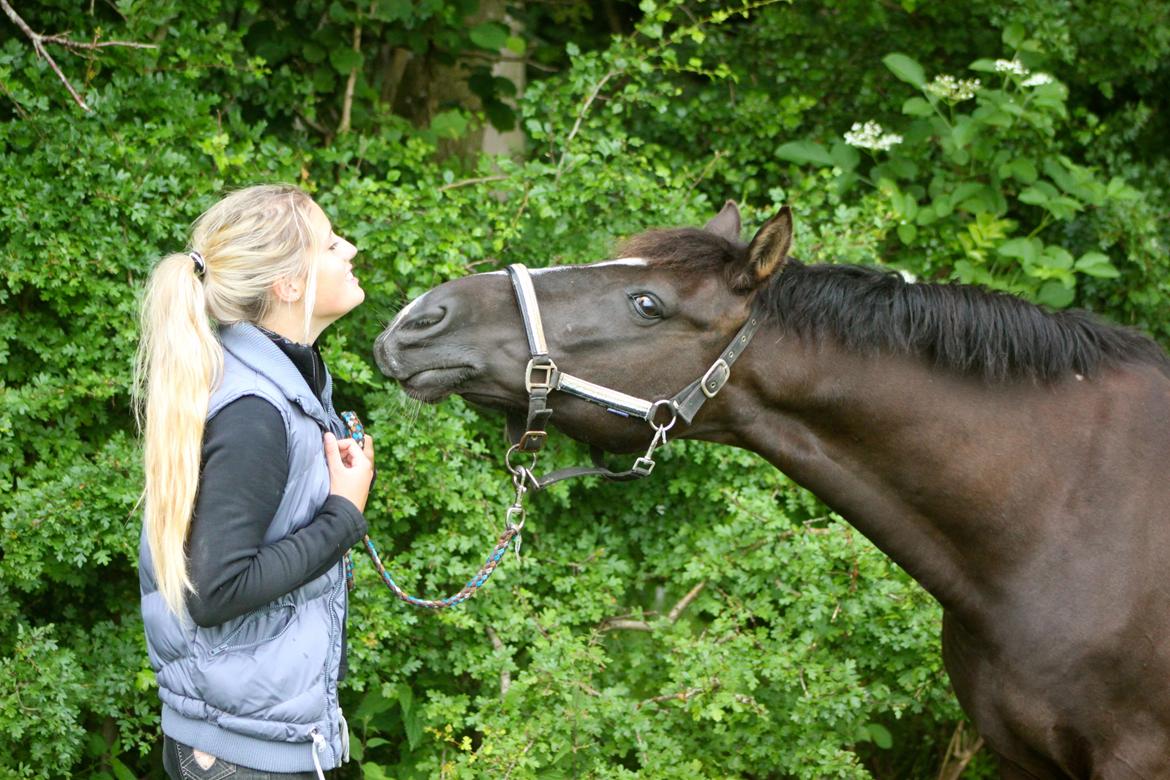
{"type": "Point", "coordinates": [483, 55]}
{"type": "Point", "coordinates": [962, 749]}
{"type": "Point", "coordinates": [685, 601]}
{"type": "Point", "coordinates": [517, 758]}
{"type": "Point", "coordinates": [581, 118]}
{"type": "Point", "coordinates": [38, 41]}
{"type": "Point", "coordinates": [624, 624]}
{"type": "Point", "coordinates": [351, 82]}
{"type": "Point", "coordinates": [703, 173]}
{"type": "Point", "coordinates": [69, 43]}
{"type": "Point", "coordinates": [468, 182]}
{"type": "Point", "coordinates": [505, 675]}
{"type": "Point", "coordinates": [686, 695]}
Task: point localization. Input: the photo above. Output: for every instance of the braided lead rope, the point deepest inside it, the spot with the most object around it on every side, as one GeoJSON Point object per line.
{"type": "Point", "coordinates": [469, 590]}
{"type": "Point", "coordinates": [511, 535]}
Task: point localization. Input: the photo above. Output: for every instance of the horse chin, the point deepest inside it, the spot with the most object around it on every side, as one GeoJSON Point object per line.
{"type": "Point", "coordinates": [432, 385]}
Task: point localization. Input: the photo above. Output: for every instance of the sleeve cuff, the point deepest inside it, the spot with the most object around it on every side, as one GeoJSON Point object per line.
{"type": "Point", "coordinates": [355, 521]}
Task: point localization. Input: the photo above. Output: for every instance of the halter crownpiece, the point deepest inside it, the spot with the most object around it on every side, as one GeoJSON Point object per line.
{"type": "Point", "coordinates": [542, 377]}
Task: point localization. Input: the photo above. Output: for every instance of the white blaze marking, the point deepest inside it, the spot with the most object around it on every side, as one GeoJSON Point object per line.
{"type": "Point", "coordinates": [628, 261]}
{"type": "Point", "coordinates": [402, 314]}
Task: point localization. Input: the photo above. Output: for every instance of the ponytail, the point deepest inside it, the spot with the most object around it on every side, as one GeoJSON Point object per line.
{"type": "Point", "coordinates": [243, 245]}
{"type": "Point", "coordinates": [179, 360]}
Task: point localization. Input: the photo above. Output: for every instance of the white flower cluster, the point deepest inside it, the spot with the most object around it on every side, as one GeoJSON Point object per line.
{"type": "Point", "coordinates": [1014, 67]}
{"type": "Point", "coordinates": [871, 136]}
{"type": "Point", "coordinates": [1038, 80]}
{"type": "Point", "coordinates": [952, 89]}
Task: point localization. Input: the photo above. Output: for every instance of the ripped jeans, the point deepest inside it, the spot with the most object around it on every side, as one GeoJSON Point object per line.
{"type": "Point", "coordinates": [182, 762]}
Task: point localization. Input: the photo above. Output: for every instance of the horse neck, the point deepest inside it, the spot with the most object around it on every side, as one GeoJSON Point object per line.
{"type": "Point", "coordinates": [926, 465]}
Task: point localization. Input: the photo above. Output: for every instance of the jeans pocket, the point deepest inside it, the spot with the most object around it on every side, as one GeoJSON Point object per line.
{"type": "Point", "coordinates": [191, 767]}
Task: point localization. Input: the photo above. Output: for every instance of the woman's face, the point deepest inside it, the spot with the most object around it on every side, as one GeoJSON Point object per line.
{"type": "Point", "coordinates": [338, 290]}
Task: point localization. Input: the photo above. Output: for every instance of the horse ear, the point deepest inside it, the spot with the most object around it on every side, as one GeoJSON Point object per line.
{"type": "Point", "coordinates": [726, 224]}
{"type": "Point", "coordinates": [769, 249]}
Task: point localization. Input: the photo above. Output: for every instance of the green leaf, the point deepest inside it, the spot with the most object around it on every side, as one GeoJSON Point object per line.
{"type": "Point", "coordinates": [905, 68]}
{"type": "Point", "coordinates": [804, 152]}
{"type": "Point", "coordinates": [964, 131]}
{"type": "Point", "coordinates": [313, 52]}
{"type": "Point", "coordinates": [907, 233]}
{"type": "Point", "coordinates": [373, 703]}
{"type": "Point", "coordinates": [880, 735]}
{"type": "Point", "coordinates": [1021, 169]}
{"type": "Point", "coordinates": [1055, 294]}
{"type": "Point", "coordinates": [917, 106]}
{"type": "Point", "coordinates": [96, 745]}
{"type": "Point", "coordinates": [393, 10]}
{"type": "Point", "coordinates": [515, 44]}
{"type": "Point", "coordinates": [844, 156]}
{"type": "Point", "coordinates": [1039, 194]}
{"type": "Point", "coordinates": [345, 60]}
{"type": "Point", "coordinates": [1025, 249]}
{"type": "Point", "coordinates": [1014, 34]}
{"type": "Point", "coordinates": [1098, 265]}
{"type": "Point", "coordinates": [414, 730]}
{"type": "Point", "coordinates": [927, 215]}
{"type": "Point", "coordinates": [121, 771]}
{"type": "Point", "coordinates": [405, 699]}
{"type": "Point", "coordinates": [449, 124]}
{"type": "Point", "coordinates": [983, 66]}
{"type": "Point", "coordinates": [1056, 258]}
{"type": "Point", "coordinates": [490, 35]}
{"type": "Point", "coordinates": [374, 772]}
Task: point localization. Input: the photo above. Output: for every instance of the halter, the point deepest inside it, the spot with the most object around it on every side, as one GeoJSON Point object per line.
{"type": "Point", "coordinates": [541, 377]}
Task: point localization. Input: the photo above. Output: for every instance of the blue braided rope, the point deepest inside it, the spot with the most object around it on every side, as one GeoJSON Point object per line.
{"type": "Point", "coordinates": [357, 432]}
{"type": "Point", "coordinates": [469, 590]}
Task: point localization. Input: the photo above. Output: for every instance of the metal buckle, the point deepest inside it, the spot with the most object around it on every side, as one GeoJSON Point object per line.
{"type": "Point", "coordinates": [718, 364]}
{"type": "Point", "coordinates": [549, 369]}
{"type": "Point", "coordinates": [643, 466]}
{"type": "Point", "coordinates": [532, 441]}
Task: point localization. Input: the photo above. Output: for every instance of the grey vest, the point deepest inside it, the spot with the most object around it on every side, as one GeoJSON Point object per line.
{"type": "Point", "coordinates": [261, 690]}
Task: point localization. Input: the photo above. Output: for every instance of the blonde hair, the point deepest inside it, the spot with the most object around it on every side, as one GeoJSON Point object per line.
{"type": "Point", "coordinates": [249, 241]}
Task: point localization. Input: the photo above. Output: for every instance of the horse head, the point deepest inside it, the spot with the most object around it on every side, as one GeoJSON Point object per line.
{"type": "Point", "coordinates": [647, 324]}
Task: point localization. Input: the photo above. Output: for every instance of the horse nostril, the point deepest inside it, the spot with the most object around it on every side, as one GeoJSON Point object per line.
{"type": "Point", "coordinates": [426, 319]}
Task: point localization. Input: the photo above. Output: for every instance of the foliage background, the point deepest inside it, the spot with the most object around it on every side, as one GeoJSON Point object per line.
{"type": "Point", "coordinates": [804, 652]}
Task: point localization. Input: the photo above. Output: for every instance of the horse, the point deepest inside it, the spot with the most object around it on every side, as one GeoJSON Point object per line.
{"type": "Point", "coordinates": [1010, 458]}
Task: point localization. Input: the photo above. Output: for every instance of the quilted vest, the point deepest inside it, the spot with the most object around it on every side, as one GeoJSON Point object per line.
{"type": "Point", "coordinates": [261, 689]}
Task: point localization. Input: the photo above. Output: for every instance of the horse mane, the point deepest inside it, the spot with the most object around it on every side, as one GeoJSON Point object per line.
{"type": "Point", "coordinates": [963, 328]}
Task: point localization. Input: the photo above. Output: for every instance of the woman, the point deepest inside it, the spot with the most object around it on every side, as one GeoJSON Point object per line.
{"type": "Point", "coordinates": [253, 492]}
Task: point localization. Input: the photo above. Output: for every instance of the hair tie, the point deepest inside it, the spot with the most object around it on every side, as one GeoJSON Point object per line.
{"type": "Point", "coordinates": [200, 266]}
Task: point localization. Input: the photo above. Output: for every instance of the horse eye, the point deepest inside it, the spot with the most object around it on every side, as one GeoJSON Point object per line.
{"type": "Point", "coordinates": [647, 305]}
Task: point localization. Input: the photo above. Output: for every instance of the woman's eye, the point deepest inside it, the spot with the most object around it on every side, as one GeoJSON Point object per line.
{"type": "Point", "coordinates": [647, 305]}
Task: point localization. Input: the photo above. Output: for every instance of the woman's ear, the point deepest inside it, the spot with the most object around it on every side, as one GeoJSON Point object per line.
{"type": "Point", "coordinates": [767, 251]}
{"type": "Point", "coordinates": [288, 290]}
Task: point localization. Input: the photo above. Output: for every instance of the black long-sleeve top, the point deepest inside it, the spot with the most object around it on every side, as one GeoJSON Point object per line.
{"type": "Point", "coordinates": [242, 480]}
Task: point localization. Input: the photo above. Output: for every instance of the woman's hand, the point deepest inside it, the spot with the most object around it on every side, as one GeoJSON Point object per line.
{"type": "Point", "coordinates": [351, 468]}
